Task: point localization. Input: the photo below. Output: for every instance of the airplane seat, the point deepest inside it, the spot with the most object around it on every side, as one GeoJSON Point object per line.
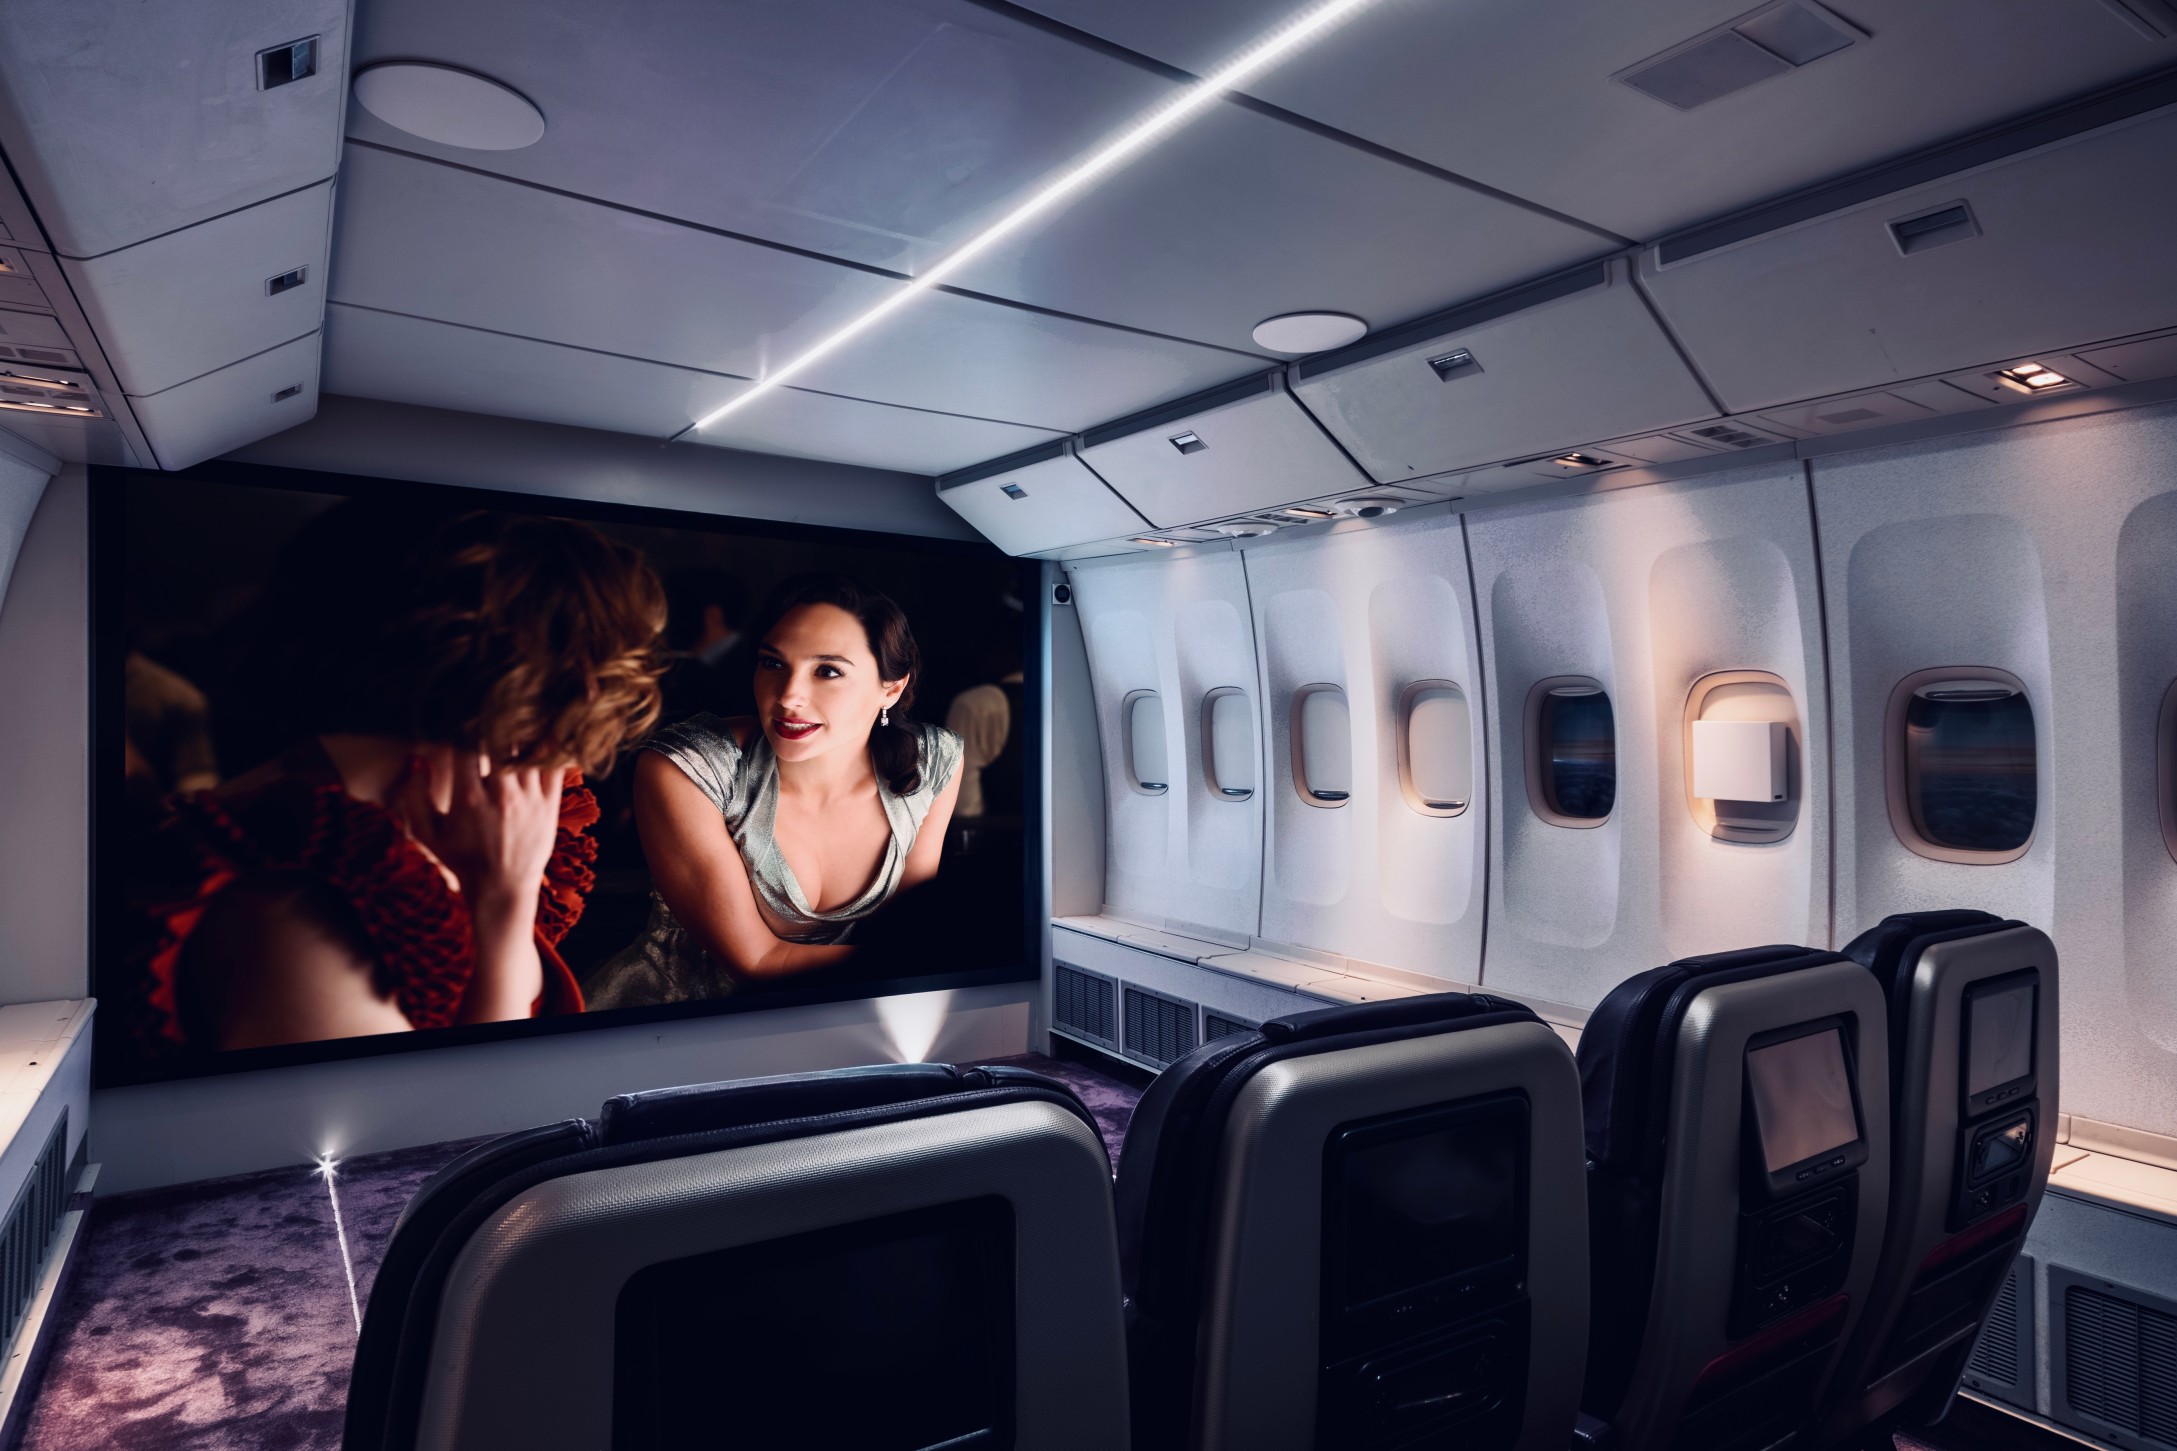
{"type": "Point", "coordinates": [1973, 1049]}
{"type": "Point", "coordinates": [901, 1256]}
{"type": "Point", "coordinates": [1359, 1227]}
{"type": "Point", "coordinates": [1737, 1122]}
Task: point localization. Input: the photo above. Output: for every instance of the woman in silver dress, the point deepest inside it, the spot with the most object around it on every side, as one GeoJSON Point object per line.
{"type": "Point", "coordinates": [768, 839]}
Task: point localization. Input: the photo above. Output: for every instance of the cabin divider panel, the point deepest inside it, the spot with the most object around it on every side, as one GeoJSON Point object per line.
{"type": "Point", "coordinates": [1383, 617]}
{"type": "Point", "coordinates": [1643, 593]}
{"type": "Point", "coordinates": [2043, 552]}
{"type": "Point", "coordinates": [1178, 630]}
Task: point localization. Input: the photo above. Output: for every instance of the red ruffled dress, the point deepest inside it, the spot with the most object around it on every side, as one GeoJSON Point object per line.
{"type": "Point", "coordinates": [305, 827]}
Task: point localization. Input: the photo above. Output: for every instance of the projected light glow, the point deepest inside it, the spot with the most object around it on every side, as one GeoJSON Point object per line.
{"type": "Point", "coordinates": [911, 1022]}
{"type": "Point", "coordinates": [1143, 134]}
{"type": "Point", "coordinates": [327, 1168]}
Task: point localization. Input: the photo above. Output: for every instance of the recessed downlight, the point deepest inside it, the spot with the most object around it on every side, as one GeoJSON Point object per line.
{"type": "Point", "coordinates": [1308, 332]}
{"type": "Point", "coordinates": [449, 106]}
{"type": "Point", "coordinates": [1246, 528]}
{"type": "Point", "coordinates": [1369, 506]}
{"type": "Point", "coordinates": [2032, 378]}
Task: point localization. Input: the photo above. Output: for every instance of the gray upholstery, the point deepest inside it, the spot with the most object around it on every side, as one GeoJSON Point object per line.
{"type": "Point", "coordinates": [1695, 1379]}
{"type": "Point", "coordinates": [1262, 1310]}
{"type": "Point", "coordinates": [1945, 1254]}
{"type": "Point", "coordinates": [523, 1352]}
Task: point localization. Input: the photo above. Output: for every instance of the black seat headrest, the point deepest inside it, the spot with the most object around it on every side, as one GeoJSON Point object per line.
{"type": "Point", "coordinates": [700, 1107]}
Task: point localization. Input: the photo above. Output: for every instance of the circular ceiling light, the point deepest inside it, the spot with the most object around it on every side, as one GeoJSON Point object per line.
{"type": "Point", "coordinates": [1309, 332]}
{"type": "Point", "coordinates": [451, 107]}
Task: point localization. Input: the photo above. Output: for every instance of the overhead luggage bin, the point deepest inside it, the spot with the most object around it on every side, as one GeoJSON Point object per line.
{"type": "Point", "coordinates": [239, 404]}
{"type": "Point", "coordinates": [1231, 450]}
{"type": "Point", "coordinates": [1041, 498]}
{"type": "Point", "coordinates": [1543, 368]}
{"type": "Point", "coordinates": [2044, 236]}
{"type": "Point", "coordinates": [179, 306]}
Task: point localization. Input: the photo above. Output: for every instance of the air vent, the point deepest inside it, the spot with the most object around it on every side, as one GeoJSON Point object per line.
{"type": "Point", "coordinates": [2114, 1371]}
{"type": "Point", "coordinates": [1217, 1025]}
{"type": "Point", "coordinates": [1725, 435]}
{"type": "Point", "coordinates": [2002, 1361]}
{"type": "Point", "coordinates": [1082, 1003]}
{"type": "Point", "coordinates": [1158, 1029]}
{"type": "Point", "coordinates": [284, 64]}
{"type": "Point", "coordinates": [28, 1230]}
{"type": "Point", "coordinates": [1767, 42]}
{"type": "Point", "coordinates": [1929, 230]}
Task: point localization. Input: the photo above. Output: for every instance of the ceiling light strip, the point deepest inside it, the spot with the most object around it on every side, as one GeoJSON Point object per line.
{"type": "Point", "coordinates": [1143, 134]}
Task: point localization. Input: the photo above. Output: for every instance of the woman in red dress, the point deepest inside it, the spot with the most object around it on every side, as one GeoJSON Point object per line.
{"type": "Point", "coordinates": [414, 859]}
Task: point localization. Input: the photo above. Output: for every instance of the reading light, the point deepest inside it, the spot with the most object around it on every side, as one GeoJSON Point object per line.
{"type": "Point", "coordinates": [1155, 126]}
{"type": "Point", "coordinates": [2032, 378]}
{"type": "Point", "coordinates": [1578, 461]}
{"type": "Point", "coordinates": [74, 408]}
{"type": "Point", "coordinates": [30, 380]}
{"type": "Point", "coordinates": [1159, 543]}
{"type": "Point", "coordinates": [1301, 512]}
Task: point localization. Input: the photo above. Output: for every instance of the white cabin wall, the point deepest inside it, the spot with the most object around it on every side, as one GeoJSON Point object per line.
{"type": "Point", "coordinates": [1181, 628]}
{"type": "Point", "coordinates": [1372, 610]}
{"type": "Point", "coordinates": [1647, 591]}
{"type": "Point", "coordinates": [45, 721]}
{"type": "Point", "coordinates": [2046, 551]}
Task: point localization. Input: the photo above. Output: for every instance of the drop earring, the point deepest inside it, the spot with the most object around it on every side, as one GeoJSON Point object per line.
{"type": "Point", "coordinates": [884, 717]}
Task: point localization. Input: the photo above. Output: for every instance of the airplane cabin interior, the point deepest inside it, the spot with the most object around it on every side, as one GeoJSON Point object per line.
{"type": "Point", "coordinates": [947, 725]}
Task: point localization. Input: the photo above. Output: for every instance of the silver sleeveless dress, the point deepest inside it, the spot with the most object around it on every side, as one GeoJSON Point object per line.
{"type": "Point", "coordinates": [666, 964]}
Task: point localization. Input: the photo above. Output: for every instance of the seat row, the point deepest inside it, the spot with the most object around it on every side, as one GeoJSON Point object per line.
{"type": "Point", "coordinates": [1770, 1201]}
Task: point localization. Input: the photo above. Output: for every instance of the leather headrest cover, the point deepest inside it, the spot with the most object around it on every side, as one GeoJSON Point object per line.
{"type": "Point", "coordinates": [1434, 1010]}
{"type": "Point", "coordinates": [706, 1107]}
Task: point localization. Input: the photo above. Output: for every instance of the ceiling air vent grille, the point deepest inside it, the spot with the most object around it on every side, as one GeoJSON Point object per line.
{"type": "Point", "coordinates": [2115, 1368]}
{"type": "Point", "coordinates": [1723, 435]}
{"type": "Point", "coordinates": [2002, 1362]}
{"type": "Point", "coordinates": [1767, 42]}
{"type": "Point", "coordinates": [28, 1229]}
{"type": "Point", "coordinates": [1158, 1029]}
{"type": "Point", "coordinates": [1217, 1025]}
{"type": "Point", "coordinates": [1082, 1004]}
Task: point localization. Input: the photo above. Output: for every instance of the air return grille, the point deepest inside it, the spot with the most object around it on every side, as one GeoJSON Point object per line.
{"type": "Point", "coordinates": [1082, 1004]}
{"type": "Point", "coordinates": [1217, 1025]}
{"type": "Point", "coordinates": [2115, 1369]}
{"type": "Point", "coordinates": [2002, 1362]}
{"type": "Point", "coordinates": [1158, 1029]}
{"type": "Point", "coordinates": [28, 1229]}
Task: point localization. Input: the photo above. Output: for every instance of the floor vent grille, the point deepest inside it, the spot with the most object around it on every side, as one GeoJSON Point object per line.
{"type": "Point", "coordinates": [1158, 1029]}
{"type": "Point", "coordinates": [2002, 1361]}
{"type": "Point", "coordinates": [1217, 1025]}
{"type": "Point", "coordinates": [1082, 1004]}
{"type": "Point", "coordinates": [2114, 1374]}
{"type": "Point", "coordinates": [27, 1232]}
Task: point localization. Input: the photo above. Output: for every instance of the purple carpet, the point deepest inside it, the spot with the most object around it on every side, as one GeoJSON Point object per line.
{"type": "Point", "coordinates": [216, 1314]}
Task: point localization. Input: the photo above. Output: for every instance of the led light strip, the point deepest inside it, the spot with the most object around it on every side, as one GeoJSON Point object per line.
{"type": "Point", "coordinates": [1139, 137]}
{"type": "Point", "coordinates": [327, 1167]}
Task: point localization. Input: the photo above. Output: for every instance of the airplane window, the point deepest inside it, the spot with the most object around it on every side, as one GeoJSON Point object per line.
{"type": "Point", "coordinates": [1228, 740]}
{"type": "Point", "coordinates": [1322, 746]}
{"type": "Point", "coordinates": [1145, 754]}
{"type": "Point", "coordinates": [1435, 748]}
{"type": "Point", "coordinates": [1576, 744]}
{"type": "Point", "coordinates": [1969, 765]}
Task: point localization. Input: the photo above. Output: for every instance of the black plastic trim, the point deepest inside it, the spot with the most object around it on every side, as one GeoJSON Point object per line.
{"type": "Point", "coordinates": [1178, 409]}
{"type": "Point", "coordinates": [1042, 453]}
{"type": "Point", "coordinates": [2136, 99]}
{"type": "Point", "coordinates": [1457, 319]}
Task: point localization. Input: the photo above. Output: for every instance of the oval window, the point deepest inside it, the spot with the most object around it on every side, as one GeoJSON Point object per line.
{"type": "Point", "coordinates": [1576, 752]}
{"type": "Point", "coordinates": [1970, 777]}
{"type": "Point", "coordinates": [1146, 758]}
{"type": "Point", "coordinates": [1322, 746]}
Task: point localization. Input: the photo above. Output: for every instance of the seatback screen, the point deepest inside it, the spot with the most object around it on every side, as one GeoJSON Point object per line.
{"type": "Point", "coordinates": [1802, 1093]}
{"type": "Point", "coordinates": [1425, 1200]}
{"type": "Point", "coordinates": [894, 1334]}
{"type": "Point", "coordinates": [1998, 1036]}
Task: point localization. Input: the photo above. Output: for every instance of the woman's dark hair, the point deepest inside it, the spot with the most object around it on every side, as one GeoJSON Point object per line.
{"type": "Point", "coordinates": [525, 637]}
{"type": "Point", "coordinates": [895, 750]}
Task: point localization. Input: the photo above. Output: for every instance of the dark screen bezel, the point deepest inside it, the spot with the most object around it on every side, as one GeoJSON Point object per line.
{"type": "Point", "coordinates": [1785, 1182]}
{"type": "Point", "coordinates": [114, 1066]}
{"type": "Point", "coordinates": [2012, 1091]}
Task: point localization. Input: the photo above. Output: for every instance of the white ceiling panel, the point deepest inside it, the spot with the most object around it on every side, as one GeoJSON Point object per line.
{"type": "Point", "coordinates": [427, 240]}
{"type": "Point", "coordinates": [438, 365]}
{"type": "Point", "coordinates": [1520, 95]}
{"type": "Point", "coordinates": [919, 120]}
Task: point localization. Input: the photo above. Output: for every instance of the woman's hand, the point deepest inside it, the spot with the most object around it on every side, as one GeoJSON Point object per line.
{"type": "Point", "coordinates": [495, 835]}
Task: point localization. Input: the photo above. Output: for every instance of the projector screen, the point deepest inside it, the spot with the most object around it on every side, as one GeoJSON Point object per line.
{"type": "Point", "coordinates": [380, 765]}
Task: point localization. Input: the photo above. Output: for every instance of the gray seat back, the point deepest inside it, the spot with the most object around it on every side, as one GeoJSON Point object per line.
{"type": "Point", "coordinates": [1973, 1002]}
{"type": "Point", "coordinates": [1394, 1248]}
{"type": "Point", "coordinates": [947, 1269]}
{"type": "Point", "coordinates": [1718, 1136]}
